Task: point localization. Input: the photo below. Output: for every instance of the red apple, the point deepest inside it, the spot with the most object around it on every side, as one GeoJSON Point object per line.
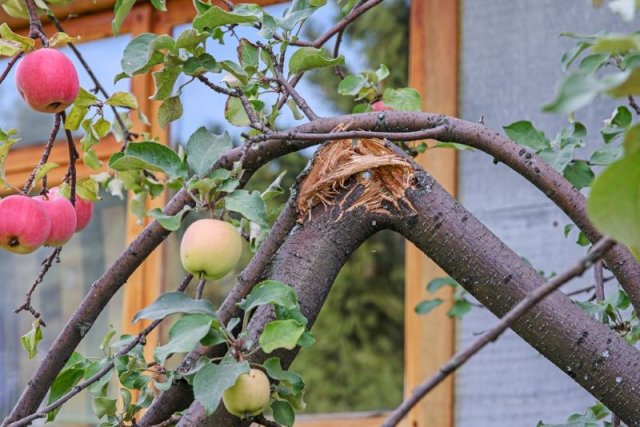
{"type": "Point", "coordinates": [84, 209]}
{"type": "Point", "coordinates": [249, 396]}
{"type": "Point", "coordinates": [47, 80]}
{"type": "Point", "coordinates": [210, 247]}
{"type": "Point", "coordinates": [63, 219]}
{"type": "Point", "coordinates": [24, 224]}
{"type": "Point", "coordinates": [380, 106]}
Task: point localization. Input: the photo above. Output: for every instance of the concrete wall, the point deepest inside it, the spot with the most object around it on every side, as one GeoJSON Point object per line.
{"type": "Point", "coordinates": [510, 67]}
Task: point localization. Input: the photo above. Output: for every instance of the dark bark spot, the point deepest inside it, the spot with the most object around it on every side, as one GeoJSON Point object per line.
{"type": "Point", "coordinates": [521, 152]}
{"type": "Point", "coordinates": [584, 336]}
{"type": "Point", "coordinates": [507, 279]}
{"type": "Point", "coordinates": [465, 218]}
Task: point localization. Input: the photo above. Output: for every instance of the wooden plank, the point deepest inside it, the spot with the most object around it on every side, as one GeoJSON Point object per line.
{"type": "Point", "coordinates": [430, 339]}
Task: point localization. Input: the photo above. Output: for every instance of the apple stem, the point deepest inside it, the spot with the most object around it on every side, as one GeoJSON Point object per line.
{"type": "Point", "coordinates": [73, 156]}
{"type": "Point", "coordinates": [36, 31]}
{"type": "Point", "coordinates": [200, 287]}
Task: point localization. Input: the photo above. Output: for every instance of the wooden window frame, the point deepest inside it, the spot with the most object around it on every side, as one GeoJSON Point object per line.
{"type": "Point", "coordinates": [433, 70]}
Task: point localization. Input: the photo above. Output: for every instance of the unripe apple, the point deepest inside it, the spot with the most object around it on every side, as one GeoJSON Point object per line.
{"type": "Point", "coordinates": [24, 224]}
{"type": "Point", "coordinates": [47, 80]}
{"type": "Point", "coordinates": [210, 247]}
{"type": "Point", "coordinates": [249, 396]}
{"type": "Point", "coordinates": [63, 219]}
{"type": "Point", "coordinates": [84, 209]}
{"type": "Point", "coordinates": [380, 106]}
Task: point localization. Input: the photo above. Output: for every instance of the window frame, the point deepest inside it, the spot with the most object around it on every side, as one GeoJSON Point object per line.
{"type": "Point", "coordinates": [434, 29]}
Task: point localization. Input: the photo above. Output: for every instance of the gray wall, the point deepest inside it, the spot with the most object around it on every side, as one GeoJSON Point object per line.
{"type": "Point", "coordinates": [510, 66]}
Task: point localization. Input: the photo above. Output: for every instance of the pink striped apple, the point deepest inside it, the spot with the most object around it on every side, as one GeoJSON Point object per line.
{"type": "Point", "coordinates": [24, 224]}
{"type": "Point", "coordinates": [63, 219]}
{"type": "Point", "coordinates": [84, 209]}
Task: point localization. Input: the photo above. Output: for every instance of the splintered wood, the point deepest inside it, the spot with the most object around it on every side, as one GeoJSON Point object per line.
{"type": "Point", "coordinates": [372, 174]}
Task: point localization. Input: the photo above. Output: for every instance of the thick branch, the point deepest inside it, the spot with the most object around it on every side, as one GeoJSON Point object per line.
{"type": "Point", "coordinates": [505, 323]}
{"type": "Point", "coordinates": [582, 347]}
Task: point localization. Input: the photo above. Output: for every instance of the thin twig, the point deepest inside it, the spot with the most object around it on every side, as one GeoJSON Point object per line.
{"type": "Point", "coordinates": [138, 339]}
{"type": "Point", "coordinates": [36, 31]}
{"type": "Point", "coordinates": [200, 287]}
{"type": "Point", "coordinates": [533, 298]}
{"type": "Point", "coordinates": [128, 136]}
{"type": "Point", "coordinates": [263, 421]}
{"type": "Point", "coordinates": [634, 104]}
{"type": "Point", "coordinates": [336, 51]}
{"type": "Point", "coordinates": [217, 88]}
{"type": "Point", "coordinates": [45, 153]}
{"type": "Point", "coordinates": [598, 273]}
{"type": "Point", "coordinates": [73, 156]}
{"type": "Point", "coordinates": [46, 265]}
{"type": "Point", "coordinates": [10, 65]}
{"type": "Point", "coordinates": [393, 136]}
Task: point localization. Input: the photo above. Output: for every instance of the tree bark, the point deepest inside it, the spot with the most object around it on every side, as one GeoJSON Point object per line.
{"type": "Point", "coordinates": [585, 349]}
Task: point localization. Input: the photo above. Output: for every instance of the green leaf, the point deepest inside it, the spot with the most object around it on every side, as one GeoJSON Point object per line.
{"type": "Point", "coordinates": [173, 303]}
{"type": "Point", "coordinates": [104, 407]}
{"type": "Point", "coordinates": [270, 292]}
{"type": "Point", "coordinates": [165, 79]}
{"type": "Point", "coordinates": [623, 84]}
{"type": "Point", "coordinates": [4, 152]}
{"type": "Point", "coordinates": [150, 156]}
{"type": "Point", "coordinates": [309, 58]}
{"type": "Point", "coordinates": [120, 12]}
{"type": "Point", "coordinates": [160, 5]}
{"type": "Point", "coordinates": [440, 282]}
{"type": "Point", "coordinates": [283, 413]}
{"type": "Point", "coordinates": [426, 306]}
{"type": "Point", "coordinates": [63, 383]}
{"type": "Point", "coordinates": [198, 65]}
{"type": "Point", "coordinates": [406, 99]}
{"type": "Point", "coordinates": [216, 17]}
{"type": "Point", "coordinates": [616, 43]}
{"type": "Point", "coordinates": [190, 38]}
{"type": "Point", "coordinates": [61, 39]}
{"type": "Point", "coordinates": [123, 99]}
{"type": "Point", "coordinates": [31, 339]}
{"type": "Point", "coordinates": [184, 335]}
{"type": "Point", "coordinates": [88, 189]}
{"type": "Point", "coordinates": [524, 133]}
{"type": "Point", "coordinates": [592, 63]}
{"type": "Point", "coordinates": [274, 189]}
{"type": "Point", "coordinates": [570, 55]}
{"type": "Point", "coordinates": [351, 85]}
{"type": "Point", "coordinates": [614, 201]}
{"type": "Point", "coordinates": [22, 43]}
{"type": "Point", "coordinates": [169, 222]}
{"type": "Point", "coordinates": [43, 170]}
{"type": "Point", "coordinates": [579, 174]}
{"type": "Point", "coordinates": [248, 54]}
{"type": "Point", "coordinates": [170, 110]}
{"type": "Point", "coordinates": [248, 204]}
{"type": "Point", "coordinates": [205, 148]}
{"type": "Point", "coordinates": [280, 334]}
{"type": "Point", "coordinates": [459, 309]}
{"type": "Point", "coordinates": [275, 371]}
{"type": "Point", "coordinates": [576, 91]}
{"type": "Point", "coordinates": [138, 55]}
{"type": "Point", "coordinates": [211, 381]}
{"type": "Point", "coordinates": [632, 139]}
{"type": "Point", "coordinates": [606, 155]}
{"type": "Point", "coordinates": [75, 117]}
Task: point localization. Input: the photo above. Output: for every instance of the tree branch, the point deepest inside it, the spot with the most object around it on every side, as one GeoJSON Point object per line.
{"type": "Point", "coordinates": [506, 322]}
{"type": "Point", "coordinates": [46, 265]}
{"type": "Point", "coordinates": [138, 339]}
{"type": "Point", "coordinates": [45, 153]}
{"type": "Point", "coordinates": [10, 65]}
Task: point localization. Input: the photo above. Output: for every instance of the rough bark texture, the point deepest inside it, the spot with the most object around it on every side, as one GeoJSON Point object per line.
{"type": "Point", "coordinates": [585, 349]}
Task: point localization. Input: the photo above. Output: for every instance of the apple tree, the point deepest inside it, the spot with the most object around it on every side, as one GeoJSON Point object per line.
{"type": "Point", "coordinates": [361, 179]}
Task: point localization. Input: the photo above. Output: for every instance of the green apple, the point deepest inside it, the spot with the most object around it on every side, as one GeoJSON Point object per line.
{"type": "Point", "coordinates": [249, 396]}
{"type": "Point", "coordinates": [210, 248]}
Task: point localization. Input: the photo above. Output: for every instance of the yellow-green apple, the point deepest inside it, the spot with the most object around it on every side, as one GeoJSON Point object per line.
{"type": "Point", "coordinates": [63, 219]}
{"type": "Point", "coordinates": [47, 80]}
{"type": "Point", "coordinates": [24, 224]}
{"type": "Point", "coordinates": [249, 396]}
{"type": "Point", "coordinates": [210, 248]}
{"type": "Point", "coordinates": [84, 209]}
